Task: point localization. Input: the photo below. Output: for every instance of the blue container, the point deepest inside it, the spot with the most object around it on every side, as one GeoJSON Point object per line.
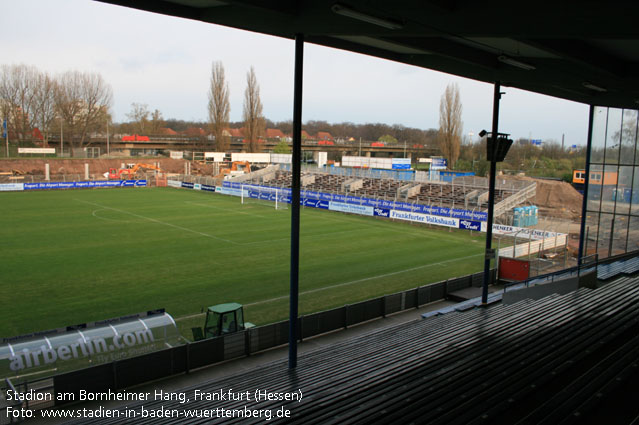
{"type": "Point", "coordinates": [535, 215]}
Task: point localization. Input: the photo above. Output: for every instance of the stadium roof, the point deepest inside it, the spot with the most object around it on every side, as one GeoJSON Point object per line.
{"type": "Point", "coordinates": [584, 51]}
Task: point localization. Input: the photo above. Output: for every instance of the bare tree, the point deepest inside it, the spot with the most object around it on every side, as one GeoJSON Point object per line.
{"type": "Point", "coordinates": [157, 122]}
{"type": "Point", "coordinates": [254, 123]}
{"type": "Point", "coordinates": [450, 124]}
{"type": "Point", "coordinates": [97, 97]}
{"type": "Point", "coordinates": [139, 117]}
{"type": "Point", "coordinates": [17, 91]}
{"type": "Point", "coordinates": [83, 101]}
{"type": "Point", "coordinates": [45, 108]}
{"type": "Point", "coordinates": [219, 107]}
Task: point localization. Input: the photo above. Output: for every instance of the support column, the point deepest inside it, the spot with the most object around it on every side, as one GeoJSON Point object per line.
{"type": "Point", "coordinates": [491, 195]}
{"type": "Point", "coordinates": [295, 201]}
{"type": "Point", "coordinates": [584, 205]}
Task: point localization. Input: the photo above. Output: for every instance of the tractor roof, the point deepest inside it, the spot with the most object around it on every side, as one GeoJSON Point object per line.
{"type": "Point", "coordinates": [225, 308]}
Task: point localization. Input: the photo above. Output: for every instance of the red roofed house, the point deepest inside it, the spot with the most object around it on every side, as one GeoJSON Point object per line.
{"type": "Point", "coordinates": [274, 133]}
{"type": "Point", "coordinates": [194, 132]}
{"type": "Point", "coordinates": [236, 132]}
{"type": "Point", "coordinates": [324, 135]}
{"type": "Point", "coordinates": [168, 132]}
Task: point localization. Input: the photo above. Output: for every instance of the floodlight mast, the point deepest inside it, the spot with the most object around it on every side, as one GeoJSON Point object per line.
{"type": "Point", "coordinates": [494, 153]}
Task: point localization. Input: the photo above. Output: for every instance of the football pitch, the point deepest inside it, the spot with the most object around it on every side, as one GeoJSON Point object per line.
{"type": "Point", "coordinates": [78, 256]}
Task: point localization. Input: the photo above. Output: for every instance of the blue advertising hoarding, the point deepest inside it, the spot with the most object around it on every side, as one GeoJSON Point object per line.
{"type": "Point", "coordinates": [84, 185]}
{"type": "Point", "coordinates": [400, 163]}
{"type": "Point", "coordinates": [441, 216]}
{"type": "Point", "coordinates": [381, 212]}
{"type": "Point", "coordinates": [368, 202]}
{"type": "Point", "coordinates": [470, 225]}
{"type": "Point", "coordinates": [314, 203]}
{"type": "Point", "coordinates": [439, 164]}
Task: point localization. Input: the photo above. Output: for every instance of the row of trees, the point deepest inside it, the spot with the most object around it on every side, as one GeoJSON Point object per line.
{"type": "Point", "coordinates": [448, 137]}
{"type": "Point", "coordinates": [548, 160]}
{"type": "Point", "coordinates": [76, 102]}
{"type": "Point", "coordinates": [367, 132]}
{"type": "Point", "coordinates": [142, 121]}
{"type": "Point", "coordinates": [220, 108]}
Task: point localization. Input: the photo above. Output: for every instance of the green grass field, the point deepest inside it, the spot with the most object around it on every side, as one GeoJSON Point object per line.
{"type": "Point", "coordinates": [82, 255]}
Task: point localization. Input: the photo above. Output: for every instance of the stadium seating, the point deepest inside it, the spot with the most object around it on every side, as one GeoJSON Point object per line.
{"type": "Point", "coordinates": [467, 193]}
{"type": "Point", "coordinates": [560, 359]}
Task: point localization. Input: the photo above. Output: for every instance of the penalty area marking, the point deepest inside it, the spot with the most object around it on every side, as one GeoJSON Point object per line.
{"type": "Point", "coordinates": [160, 222]}
{"type": "Point", "coordinates": [224, 209]}
{"type": "Point", "coordinates": [312, 291]}
{"type": "Point", "coordinates": [104, 208]}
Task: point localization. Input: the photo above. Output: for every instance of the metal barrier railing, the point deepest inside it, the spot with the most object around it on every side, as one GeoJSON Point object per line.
{"type": "Point", "coordinates": [25, 397]}
{"type": "Point", "coordinates": [586, 264]}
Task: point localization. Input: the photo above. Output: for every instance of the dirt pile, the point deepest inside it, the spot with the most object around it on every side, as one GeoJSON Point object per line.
{"type": "Point", "coordinates": [556, 198]}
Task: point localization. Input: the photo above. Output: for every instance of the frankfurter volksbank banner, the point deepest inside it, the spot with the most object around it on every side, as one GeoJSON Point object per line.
{"type": "Point", "coordinates": [72, 185]}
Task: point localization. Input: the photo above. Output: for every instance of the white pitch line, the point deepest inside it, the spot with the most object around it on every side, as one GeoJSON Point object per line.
{"type": "Point", "coordinates": [160, 222]}
{"type": "Point", "coordinates": [224, 209]}
{"type": "Point", "coordinates": [312, 291]}
{"type": "Point", "coordinates": [107, 219]}
{"type": "Point", "coordinates": [313, 236]}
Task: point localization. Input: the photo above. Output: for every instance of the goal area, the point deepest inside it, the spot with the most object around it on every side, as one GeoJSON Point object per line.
{"type": "Point", "coordinates": [272, 197]}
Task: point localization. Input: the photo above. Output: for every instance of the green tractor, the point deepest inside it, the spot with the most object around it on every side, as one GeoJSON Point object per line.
{"type": "Point", "coordinates": [220, 320]}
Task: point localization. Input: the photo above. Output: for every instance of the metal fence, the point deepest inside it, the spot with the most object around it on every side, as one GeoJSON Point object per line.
{"type": "Point", "coordinates": [28, 178]}
{"type": "Point", "coordinates": [43, 399]}
{"type": "Point", "coordinates": [605, 269]}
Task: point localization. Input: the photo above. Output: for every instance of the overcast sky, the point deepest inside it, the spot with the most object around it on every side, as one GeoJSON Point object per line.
{"type": "Point", "coordinates": [165, 62]}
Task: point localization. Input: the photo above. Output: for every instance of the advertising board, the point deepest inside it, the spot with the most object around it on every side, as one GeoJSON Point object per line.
{"type": "Point", "coordinates": [439, 164]}
{"type": "Point", "coordinates": [470, 225]}
{"type": "Point", "coordinates": [37, 150]}
{"type": "Point", "coordinates": [350, 208]}
{"type": "Point", "coordinates": [84, 185]}
{"type": "Point", "coordinates": [11, 187]}
{"type": "Point", "coordinates": [400, 164]}
{"type": "Point", "coordinates": [424, 218]}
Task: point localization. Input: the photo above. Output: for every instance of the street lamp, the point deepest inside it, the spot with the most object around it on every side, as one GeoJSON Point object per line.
{"type": "Point", "coordinates": [61, 136]}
